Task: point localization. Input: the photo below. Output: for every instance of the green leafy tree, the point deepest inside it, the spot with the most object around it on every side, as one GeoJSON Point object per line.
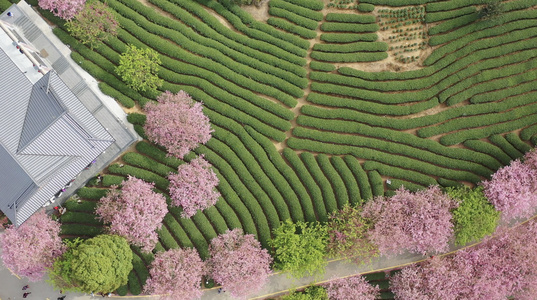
{"type": "Point", "coordinates": [93, 24]}
{"type": "Point", "coordinates": [300, 248]}
{"type": "Point", "coordinates": [311, 293]}
{"type": "Point", "coordinates": [139, 67]}
{"type": "Point", "coordinates": [348, 235]}
{"type": "Point", "coordinates": [475, 217]}
{"type": "Point", "coordinates": [99, 264]}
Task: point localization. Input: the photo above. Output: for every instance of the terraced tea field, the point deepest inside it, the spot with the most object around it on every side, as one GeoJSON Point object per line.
{"type": "Point", "coordinates": [320, 105]}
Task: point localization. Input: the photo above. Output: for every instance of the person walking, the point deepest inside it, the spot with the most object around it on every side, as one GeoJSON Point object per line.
{"type": "Point", "coordinates": [62, 297]}
{"type": "Point", "coordinates": [24, 288]}
{"type": "Point", "coordinates": [26, 294]}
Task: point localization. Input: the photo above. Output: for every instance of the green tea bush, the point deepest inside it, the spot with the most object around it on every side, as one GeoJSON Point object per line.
{"type": "Point", "coordinates": [348, 37]}
{"type": "Point", "coordinates": [295, 18]}
{"type": "Point", "coordinates": [490, 149]}
{"type": "Point", "coordinates": [349, 57]}
{"type": "Point", "coordinates": [138, 160]}
{"type": "Point", "coordinates": [160, 182]}
{"type": "Point", "coordinates": [360, 176]}
{"type": "Point", "coordinates": [391, 171]}
{"type": "Point", "coordinates": [299, 10]}
{"type": "Point", "coordinates": [508, 148]}
{"type": "Point", "coordinates": [351, 186]}
{"type": "Point", "coordinates": [91, 193]}
{"type": "Point", "coordinates": [345, 27]}
{"type": "Point", "coordinates": [377, 185]}
{"type": "Point", "coordinates": [450, 5]}
{"type": "Point", "coordinates": [336, 181]}
{"type": "Point", "coordinates": [350, 18]}
{"type": "Point", "coordinates": [352, 47]}
{"type": "Point", "coordinates": [365, 7]}
{"type": "Point", "coordinates": [311, 4]}
{"type": "Point", "coordinates": [216, 219]}
{"type": "Point", "coordinates": [292, 28]}
{"type": "Point", "coordinates": [431, 17]}
{"type": "Point", "coordinates": [317, 65]}
{"type": "Point", "coordinates": [515, 140]}
{"type": "Point", "coordinates": [109, 180]}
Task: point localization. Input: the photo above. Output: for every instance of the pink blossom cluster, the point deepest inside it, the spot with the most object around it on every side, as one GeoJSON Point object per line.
{"type": "Point", "coordinates": [239, 263]}
{"type": "Point", "coordinates": [351, 288]}
{"type": "Point", "coordinates": [176, 274]}
{"type": "Point", "coordinates": [500, 267]}
{"type": "Point", "coordinates": [31, 249]}
{"type": "Point", "coordinates": [177, 123]}
{"type": "Point", "coordinates": [194, 186]}
{"type": "Point", "coordinates": [513, 188]}
{"type": "Point", "coordinates": [65, 9]}
{"type": "Point", "coordinates": [134, 212]}
{"type": "Point", "coordinates": [418, 222]}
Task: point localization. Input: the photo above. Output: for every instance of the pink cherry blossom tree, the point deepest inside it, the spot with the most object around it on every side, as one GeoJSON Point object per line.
{"type": "Point", "coordinates": [31, 249]}
{"type": "Point", "coordinates": [512, 188]}
{"type": "Point", "coordinates": [502, 266]}
{"type": "Point", "coordinates": [134, 212]}
{"type": "Point", "coordinates": [194, 186]}
{"type": "Point", "coordinates": [65, 9]}
{"type": "Point", "coordinates": [418, 222]}
{"type": "Point", "coordinates": [177, 123]}
{"type": "Point", "coordinates": [176, 274]}
{"type": "Point", "coordinates": [238, 263]}
{"type": "Point", "coordinates": [352, 288]}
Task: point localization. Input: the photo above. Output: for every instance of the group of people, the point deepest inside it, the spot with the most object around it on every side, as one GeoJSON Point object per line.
{"type": "Point", "coordinates": [25, 294]}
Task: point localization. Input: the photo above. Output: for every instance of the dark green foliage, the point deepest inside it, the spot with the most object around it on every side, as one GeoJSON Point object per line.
{"type": "Point", "coordinates": [109, 180]}
{"type": "Point", "coordinates": [377, 184]}
{"type": "Point", "coordinates": [299, 10]}
{"type": "Point", "coordinates": [136, 118]}
{"type": "Point", "coordinates": [350, 18]}
{"type": "Point", "coordinates": [92, 193]}
{"type": "Point", "coordinates": [311, 4]}
{"type": "Point", "coordinates": [365, 7]}
{"type": "Point", "coordinates": [352, 47]}
{"type": "Point", "coordinates": [431, 17]}
{"type": "Point", "coordinates": [292, 28]}
{"type": "Point", "coordinates": [316, 65]}
{"type": "Point", "coordinates": [348, 37]}
{"type": "Point", "coordinates": [508, 148]}
{"type": "Point", "coordinates": [349, 57]}
{"type": "Point", "coordinates": [491, 10]}
{"type": "Point", "coordinates": [360, 175]}
{"type": "Point", "coordinates": [345, 27]}
{"type": "Point", "coordinates": [295, 18]}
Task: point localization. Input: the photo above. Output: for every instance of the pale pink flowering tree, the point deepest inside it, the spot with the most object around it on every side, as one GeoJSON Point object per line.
{"type": "Point", "coordinates": [134, 212]}
{"type": "Point", "coordinates": [65, 9]}
{"type": "Point", "coordinates": [500, 267]}
{"type": "Point", "coordinates": [351, 288]}
{"type": "Point", "coordinates": [238, 263]}
{"type": "Point", "coordinates": [176, 274]}
{"type": "Point", "coordinates": [31, 249]}
{"type": "Point", "coordinates": [418, 222]}
{"type": "Point", "coordinates": [512, 189]}
{"type": "Point", "coordinates": [194, 186]}
{"type": "Point", "coordinates": [177, 123]}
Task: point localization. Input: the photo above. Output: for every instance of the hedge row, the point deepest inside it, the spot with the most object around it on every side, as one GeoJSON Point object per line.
{"type": "Point", "coordinates": [217, 220]}
{"type": "Point", "coordinates": [351, 186]}
{"type": "Point", "coordinates": [193, 232]}
{"type": "Point", "coordinates": [345, 27]}
{"type": "Point", "coordinates": [450, 5]}
{"type": "Point", "coordinates": [321, 66]}
{"type": "Point", "coordinates": [316, 115]}
{"type": "Point", "coordinates": [226, 213]}
{"type": "Point", "coordinates": [81, 218]}
{"type": "Point", "coordinates": [118, 96]}
{"type": "Point", "coordinates": [396, 2]}
{"type": "Point", "coordinates": [383, 140]}
{"type": "Point", "coordinates": [339, 145]}
{"type": "Point", "coordinates": [152, 34]}
{"type": "Point", "coordinates": [160, 182]}
{"type": "Point", "coordinates": [365, 7]}
{"type": "Point", "coordinates": [91, 193]}
{"type": "Point", "coordinates": [83, 206]}
{"type": "Point", "coordinates": [81, 230]}
{"type": "Point", "coordinates": [336, 181]}
{"type": "Point", "coordinates": [140, 268]}
{"type": "Point", "coordinates": [295, 18]}
{"type": "Point", "coordinates": [395, 184]}
{"type": "Point", "coordinates": [515, 140]}
{"type": "Point", "coordinates": [490, 149]}
{"type": "Point", "coordinates": [350, 18]}
{"type": "Point", "coordinates": [166, 234]}
{"type": "Point", "coordinates": [134, 284]}
{"type": "Point", "coordinates": [311, 4]}
{"type": "Point", "coordinates": [479, 133]}
{"type": "Point", "coordinates": [269, 197]}
{"type": "Point", "coordinates": [266, 52]}
{"type": "Point", "coordinates": [327, 192]}
{"type": "Point", "coordinates": [292, 28]}
{"type": "Point", "coordinates": [508, 148]}
{"type": "Point", "coordinates": [349, 57]}
{"type": "Point", "coordinates": [299, 10]}
{"type": "Point", "coordinates": [360, 176]}
{"type": "Point", "coordinates": [431, 17]}
{"type": "Point", "coordinates": [288, 197]}
{"type": "Point", "coordinates": [144, 162]}
{"type": "Point", "coordinates": [109, 180]}
{"type": "Point", "coordinates": [352, 47]}
{"type": "Point", "coordinates": [158, 154]}
{"type": "Point", "coordinates": [222, 158]}
{"type": "Point", "coordinates": [377, 184]}
{"type": "Point", "coordinates": [371, 107]}
{"type": "Point", "coordinates": [205, 227]}
{"type": "Point", "coordinates": [245, 23]}
{"type": "Point", "coordinates": [290, 177]}
{"type": "Point", "coordinates": [397, 172]}
{"type": "Point", "coordinates": [528, 89]}
{"type": "Point", "coordinates": [306, 178]}
{"type": "Point", "coordinates": [527, 16]}
{"type": "Point", "coordinates": [527, 133]}
{"type": "Point", "coordinates": [348, 37]}
{"type": "Point", "coordinates": [477, 121]}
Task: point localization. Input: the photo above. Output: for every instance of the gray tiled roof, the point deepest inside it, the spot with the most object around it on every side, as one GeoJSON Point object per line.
{"type": "Point", "coordinates": [48, 137]}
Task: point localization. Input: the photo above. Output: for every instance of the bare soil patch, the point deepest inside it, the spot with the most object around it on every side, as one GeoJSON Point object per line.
{"type": "Point", "coordinates": [260, 12]}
